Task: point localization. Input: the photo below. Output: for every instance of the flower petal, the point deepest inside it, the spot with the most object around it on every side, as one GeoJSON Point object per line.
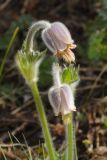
{"type": "Point", "coordinates": [59, 45]}
{"type": "Point", "coordinates": [61, 32]}
{"type": "Point", "coordinates": [55, 99]}
{"type": "Point", "coordinates": [48, 41]}
{"type": "Point", "coordinates": [67, 99]}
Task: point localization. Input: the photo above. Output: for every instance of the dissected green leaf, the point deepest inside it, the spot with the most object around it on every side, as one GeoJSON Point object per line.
{"type": "Point", "coordinates": [70, 75]}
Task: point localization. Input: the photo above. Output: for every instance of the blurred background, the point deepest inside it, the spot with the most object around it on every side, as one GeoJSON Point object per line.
{"type": "Point", "coordinates": [87, 22]}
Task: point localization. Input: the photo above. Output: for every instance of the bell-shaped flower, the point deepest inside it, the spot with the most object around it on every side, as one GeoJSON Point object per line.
{"type": "Point", "coordinates": [58, 40]}
{"type": "Point", "coordinates": [61, 99]}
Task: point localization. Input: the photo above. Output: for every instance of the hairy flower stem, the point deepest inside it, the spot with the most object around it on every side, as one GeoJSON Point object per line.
{"type": "Point", "coordinates": [74, 140]}
{"type": "Point", "coordinates": [43, 120]}
{"type": "Point", "coordinates": [39, 106]}
{"type": "Point", "coordinates": [32, 31]}
{"type": "Point", "coordinates": [69, 140]}
{"type": "Point", "coordinates": [71, 151]}
{"type": "Point", "coordinates": [56, 75]}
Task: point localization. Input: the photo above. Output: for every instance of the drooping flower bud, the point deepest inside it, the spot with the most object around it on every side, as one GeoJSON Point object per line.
{"type": "Point", "coordinates": [58, 39]}
{"type": "Point", "coordinates": [61, 99]}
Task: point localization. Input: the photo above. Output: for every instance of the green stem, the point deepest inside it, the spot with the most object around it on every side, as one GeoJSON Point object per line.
{"type": "Point", "coordinates": [71, 152]}
{"type": "Point", "coordinates": [43, 121]}
{"type": "Point", "coordinates": [69, 139]}
{"type": "Point", "coordinates": [32, 31]}
{"type": "Point", "coordinates": [74, 140]}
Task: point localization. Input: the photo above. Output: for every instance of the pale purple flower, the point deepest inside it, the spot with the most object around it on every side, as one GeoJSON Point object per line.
{"type": "Point", "coordinates": [61, 99]}
{"type": "Point", "coordinates": [58, 39]}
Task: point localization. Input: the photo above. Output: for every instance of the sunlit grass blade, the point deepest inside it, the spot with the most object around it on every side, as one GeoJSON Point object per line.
{"type": "Point", "coordinates": [20, 143]}
{"type": "Point", "coordinates": [7, 52]}
{"type": "Point", "coordinates": [11, 140]}
{"type": "Point", "coordinates": [28, 148]}
{"type": "Point", "coordinates": [3, 153]}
